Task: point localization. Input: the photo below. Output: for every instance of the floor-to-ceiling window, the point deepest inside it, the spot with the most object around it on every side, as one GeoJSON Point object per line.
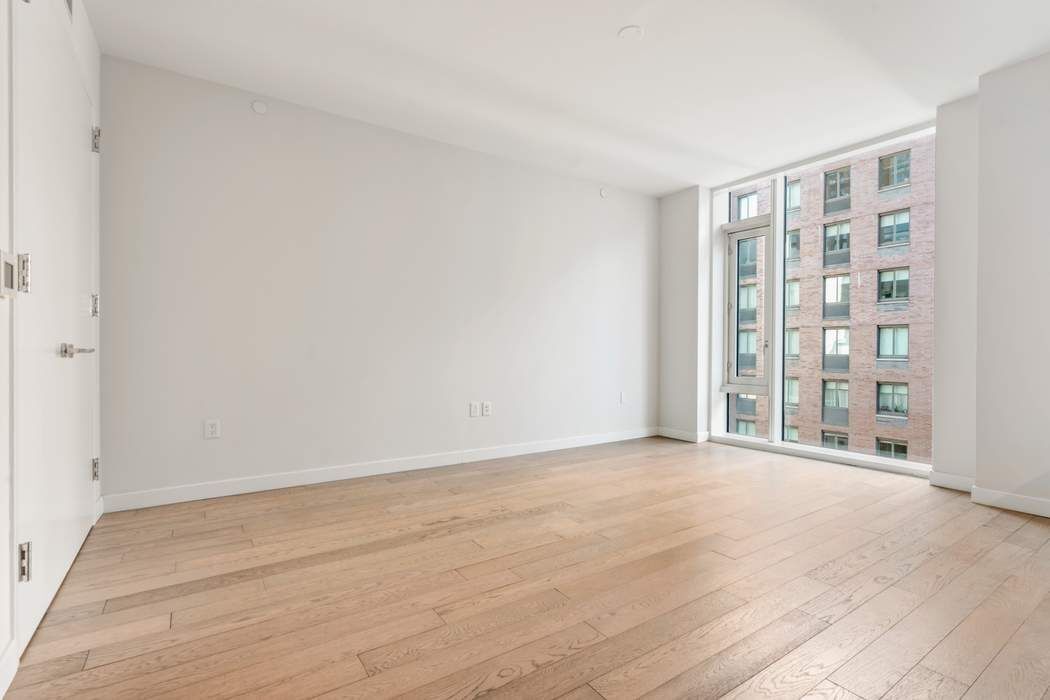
{"type": "Point", "coordinates": [826, 276]}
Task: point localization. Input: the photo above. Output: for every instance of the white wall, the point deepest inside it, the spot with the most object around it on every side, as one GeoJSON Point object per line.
{"type": "Point", "coordinates": [681, 333]}
{"type": "Point", "coordinates": [1013, 441]}
{"type": "Point", "coordinates": [336, 293]}
{"type": "Point", "coordinates": [955, 297]}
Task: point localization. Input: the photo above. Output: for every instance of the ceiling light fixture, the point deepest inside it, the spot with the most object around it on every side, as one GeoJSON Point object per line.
{"type": "Point", "coordinates": [631, 31]}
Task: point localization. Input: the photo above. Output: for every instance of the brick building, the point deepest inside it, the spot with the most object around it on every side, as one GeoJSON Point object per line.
{"type": "Point", "coordinates": [859, 246]}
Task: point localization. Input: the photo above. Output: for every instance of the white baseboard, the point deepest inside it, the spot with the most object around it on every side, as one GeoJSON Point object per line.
{"type": "Point", "coordinates": [676, 434]}
{"type": "Point", "coordinates": [1012, 501]}
{"type": "Point", "coordinates": [8, 667]}
{"type": "Point", "coordinates": [265, 482]}
{"type": "Point", "coordinates": [951, 481]}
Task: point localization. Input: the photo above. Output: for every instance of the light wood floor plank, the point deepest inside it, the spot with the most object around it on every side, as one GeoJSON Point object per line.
{"type": "Point", "coordinates": [644, 568]}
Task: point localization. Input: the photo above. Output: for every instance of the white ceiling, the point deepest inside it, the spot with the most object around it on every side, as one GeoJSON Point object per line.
{"type": "Point", "coordinates": [713, 92]}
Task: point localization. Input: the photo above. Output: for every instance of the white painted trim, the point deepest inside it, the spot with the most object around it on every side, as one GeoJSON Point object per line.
{"type": "Point", "coordinates": [1012, 501]}
{"type": "Point", "coordinates": [951, 481]}
{"type": "Point", "coordinates": [852, 459]}
{"type": "Point", "coordinates": [8, 667]}
{"type": "Point", "coordinates": [100, 508]}
{"type": "Point", "coordinates": [265, 482]}
{"type": "Point", "coordinates": [676, 434]}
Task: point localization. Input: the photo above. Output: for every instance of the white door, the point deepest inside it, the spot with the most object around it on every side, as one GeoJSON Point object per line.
{"type": "Point", "coordinates": [53, 209]}
{"type": "Point", "coordinates": [7, 556]}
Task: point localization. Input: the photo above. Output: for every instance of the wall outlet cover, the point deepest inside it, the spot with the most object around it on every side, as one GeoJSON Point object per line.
{"type": "Point", "coordinates": [475, 409]}
{"type": "Point", "coordinates": [486, 408]}
{"type": "Point", "coordinates": [212, 429]}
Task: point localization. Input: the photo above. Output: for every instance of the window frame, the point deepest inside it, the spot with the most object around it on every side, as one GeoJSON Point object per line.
{"type": "Point", "coordinates": [892, 414]}
{"type": "Point", "coordinates": [878, 175]}
{"type": "Point", "coordinates": [825, 434]}
{"type": "Point", "coordinates": [787, 248]}
{"type": "Point", "coordinates": [837, 330]}
{"type": "Point", "coordinates": [787, 199]}
{"type": "Point", "coordinates": [798, 343]}
{"type": "Point", "coordinates": [750, 196]}
{"type": "Point", "coordinates": [734, 232]}
{"type": "Point", "coordinates": [893, 451]}
{"type": "Point", "coordinates": [878, 285]}
{"type": "Point", "coordinates": [892, 327]}
{"type": "Point", "coordinates": [895, 242]}
{"type": "Point", "coordinates": [838, 183]}
{"type": "Point", "coordinates": [797, 285]}
{"type": "Point", "coordinates": [798, 391]}
{"type": "Point", "coordinates": [838, 392]}
{"type": "Point", "coordinates": [837, 225]}
{"type": "Point", "coordinates": [714, 296]}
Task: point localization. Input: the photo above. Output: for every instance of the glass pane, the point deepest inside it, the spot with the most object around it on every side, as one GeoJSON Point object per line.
{"type": "Point", "coordinates": [875, 341]}
{"type": "Point", "coordinates": [750, 322]}
{"type": "Point", "coordinates": [794, 195]}
{"type": "Point", "coordinates": [748, 415]}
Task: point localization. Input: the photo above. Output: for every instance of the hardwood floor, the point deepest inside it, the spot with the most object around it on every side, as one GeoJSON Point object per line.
{"type": "Point", "coordinates": [649, 568]}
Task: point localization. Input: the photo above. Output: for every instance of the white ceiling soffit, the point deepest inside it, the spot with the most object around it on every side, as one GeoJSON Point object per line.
{"type": "Point", "coordinates": [711, 92]}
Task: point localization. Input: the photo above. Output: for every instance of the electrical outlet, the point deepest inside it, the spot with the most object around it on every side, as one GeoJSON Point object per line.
{"type": "Point", "coordinates": [475, 409]}
{"type": "Point", "coordinates": [486, 408]}
{"type": "Point", "coordinates": [212, 429]}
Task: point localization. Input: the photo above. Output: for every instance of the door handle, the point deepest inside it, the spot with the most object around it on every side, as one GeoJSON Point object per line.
{"type": "Point", "coordinates": [70, 350]}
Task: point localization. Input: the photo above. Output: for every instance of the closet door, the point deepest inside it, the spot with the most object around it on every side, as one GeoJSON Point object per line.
{"type": "Point", "coordinates": [55, 363]}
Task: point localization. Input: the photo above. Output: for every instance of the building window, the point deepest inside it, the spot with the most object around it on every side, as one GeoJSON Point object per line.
{"type": "Point", "coordinates": [746, 427]}
{"type": "Point", "coordinates": [895, 170]}
{"type": "Point", "coordinates": [791, 391]}
{"type": "Point", "coordinates": [893, 284]}
{"type": "Point", "coordinates": [836, 296]}
{"type": "Point", "coordinates": [746, 349]}
{"type": "Point", "coordinates": [791, 342]}
{"type": "Point", "coordinates": [893, 343]}
{"type": "Point", "coordinates": [790, 433]}
{"type": "Point", "coordinates": [836, 243]}
{"type": "Point", "coordinates": [895, 228]}
{"type": "Point", "coordinates": [747, 253]}
{"type": "Point", "coordinates": [748, 301]}
{"type": "Point", "coordinates": [793, 195]}
{"type": "Point", "coordinates": [836, 341]}
{"type": "Point", "coordinates": [746, 404]}
{"type": "Point", "coordinates": [836, 349]}
{"type": "Point", "coordinates": [836, 190]}
{"type": "Point", "coordinates": [836, 394]}
{"type": "Point", "coordinates": [893, 399]}
{"type": "Point", "coordinates": [891, 448]}
{"type": "Point", "coordinates": [746, 206]}
{"type": "Point", "coordinates": [792, 245]}
{"type": "Point", "coordinates": [835, 441]}
{"type": "Point", "coordinates": [791, 294]}
{"type": "Point", "coordinates": [836, 402]}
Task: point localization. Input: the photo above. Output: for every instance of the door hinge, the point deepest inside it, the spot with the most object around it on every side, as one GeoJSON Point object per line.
{"type": "Point", "coordinates": [94, 469]}
{"type": "Point", "coordinates": [96, 139]}
{"type": "Point", "coordinates": [24, 561]}
{"type": "Point", "coordinates": [94, 306]}
{"type": "Point", "coordinates": [24, 266]}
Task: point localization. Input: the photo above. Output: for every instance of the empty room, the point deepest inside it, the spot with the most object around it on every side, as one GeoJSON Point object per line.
{"type": "Point", "coordinates": [579, 350]}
